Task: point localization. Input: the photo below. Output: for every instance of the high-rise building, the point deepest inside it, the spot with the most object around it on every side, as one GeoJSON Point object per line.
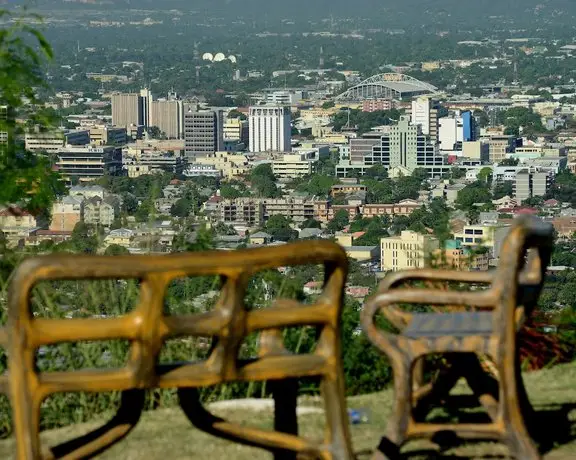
{"type": "Point", "coordinates": [425, 114]}
{"type": "Point", "coordinates": [499, 147]}
{"type": "Point", "coordinates": [531, 182]}
{"type": "Point", "coordinates": [132, 108]}
{"type": "Point", "coordinates": [127, 110]}
{"type": "Point", "coordinates": [168, 117]}
{"type": "Point", "coordinates": [147, 99]}
{"type": "Point", "coordinates": [236, 129]}
{"type": "Point", "coordinates": [405, 147]}
{"type": "Point", "coordinates": [203, 132]}
{"type": "Point", "coordinates": [270, 128]}
{"type": "Point", "coordinates": [453, 131]}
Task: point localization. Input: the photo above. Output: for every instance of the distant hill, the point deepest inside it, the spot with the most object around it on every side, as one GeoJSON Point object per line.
{"type": "Point", "coordinates": [422, 11]}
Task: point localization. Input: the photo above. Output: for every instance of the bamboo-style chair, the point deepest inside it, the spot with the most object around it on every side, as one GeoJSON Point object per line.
{"type": "Point", "coordinates": [147, 328]}
{"type": "Point", "coordinates": [485, 323]}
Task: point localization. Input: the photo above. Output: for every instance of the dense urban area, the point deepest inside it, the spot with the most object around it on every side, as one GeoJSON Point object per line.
{"type": "Point", "coordinates": [170, 130]}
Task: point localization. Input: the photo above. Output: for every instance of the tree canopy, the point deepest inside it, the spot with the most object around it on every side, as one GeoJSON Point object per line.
{"type": "Point", "coordinates": [28, 180]}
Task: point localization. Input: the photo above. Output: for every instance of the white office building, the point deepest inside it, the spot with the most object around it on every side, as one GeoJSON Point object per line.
{"type": "Point", "coordinates": [270, 129]}
{"type": "Point", "coordinates": [425, 114]}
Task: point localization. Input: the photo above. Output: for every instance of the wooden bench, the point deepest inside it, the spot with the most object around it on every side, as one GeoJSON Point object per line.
{"type": "Point", "coordinates": [147, 328]}
{"type": "Point", "coordinates": [488, 329]}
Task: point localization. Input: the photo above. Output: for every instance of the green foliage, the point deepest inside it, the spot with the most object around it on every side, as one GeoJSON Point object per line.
{"type": "Point", "coordinates": [155, 133]}
{"type": "Point", "coordinates": [264, 182]}
{"type": "Point", "coordinates": [27, 179]}
{"type": "Point", "coordinates": [477, 192]}
{"type": "Point", "coordinates": [485, 175]}
{"type": "Point", "coordinates": [509, 162]}
{"type": "Point", "coordinates": [328, 104]}
{"type": "Point", "coordinates": [365, 121]}
{"type": "Point", "coordinates": [503, 189]}
{"type": "Point", "coordinates": [84, 239]}
{"type": "Point", "coordinates": [385, 190]}
{"type": "Point", "coordinates": [340, 220]}
{"type": "Point", "coordinates": [318, 185]}
{"type": "Point", "coordinates": [564, 188]}
{"type": "Point", "coordinates": [376, 229]}
{"type": "Point", "coordinates": [116, 250]}
{"type": "Point", "coordinates": [222, 229]}
{"type": "Point", "coordinates": [202, 240]}
{"type": "Point", "coordinates": [234, 190]}
{"type": "Point", "coordinates": [376, 172]}
{"type": "Point", "coordinates": [181, 208]}
{"type": "Point", "coordinates": [311, 223]}
{"type": "Point", "coordinates": [279, 227]}
{"type": "Point", "coordinates": [457, 173]}
{"type": "Point", "coordinates": [521, 117]}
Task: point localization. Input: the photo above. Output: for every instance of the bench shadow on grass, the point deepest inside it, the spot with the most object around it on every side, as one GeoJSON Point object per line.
{"type": "Point", "coordinates": [550, 427]}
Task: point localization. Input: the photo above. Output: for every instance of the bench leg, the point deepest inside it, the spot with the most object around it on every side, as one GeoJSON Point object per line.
{"type": "Point", "coordinates": [397, 430]}
{"type": "Point", "coordinates": [516, 434]}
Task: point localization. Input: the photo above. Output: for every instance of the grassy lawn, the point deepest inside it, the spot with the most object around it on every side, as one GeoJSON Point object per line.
{"type": "Point", "coordinates": [166, 434]}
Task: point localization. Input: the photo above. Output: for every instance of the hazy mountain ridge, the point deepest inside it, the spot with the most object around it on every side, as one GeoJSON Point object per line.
{"type": "Point", "coordinates": [302, 9]}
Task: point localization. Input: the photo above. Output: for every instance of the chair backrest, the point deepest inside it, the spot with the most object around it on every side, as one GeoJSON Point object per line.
{"type": "Point", "coordinates": [147, 328]}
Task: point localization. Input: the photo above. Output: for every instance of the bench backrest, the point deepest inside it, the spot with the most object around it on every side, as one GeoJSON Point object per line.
{"type": "Point", "coordinates": [147, 328]}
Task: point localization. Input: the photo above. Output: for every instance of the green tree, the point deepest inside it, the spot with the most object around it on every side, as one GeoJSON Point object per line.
{"type": "Point", "coordinates": [477, 192]}
{"type": "Point", "coordinates": [340, 220]}
{"type": "Point", "coordinates": [503, 189]}
{"type": "Point", "coordinates": [485, 175]}
{"type": "Point", "coordinates": [83, 238]}
{"type": "Point", "coordinates": [181, 208]}
{"type": "Point", "coordinates": [311, 223]}
{"type": "Point", "coordinates": [376, 172]}
{"type": "Point", "coordinates": [155, 133]}
{"type": "Point", "coordinates": [328, 104]}
{"type": "Point", "coordinates": [116, 250]}
{"type": "Point", "coordinates": [279, 227]}
{"type": "Point", "coordinates": [509, 162]}
{"type": "Point", "coordinates": [264, 182]}
{"type": "Point", "coordinates": [318, 185]}
{"type": "Point", "coordinates": [27, 180]}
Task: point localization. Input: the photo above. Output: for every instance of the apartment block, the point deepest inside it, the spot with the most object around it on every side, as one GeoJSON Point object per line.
{"type": "Point", "coordinates": [242, 212]}
{"type": "Point", "coordinates": [458, 257]}
{"type": "Point", "coordinates": [296, 209]}
{"type": "Point", "coordinates": [3, 129]}
{"type": "Point", "coordinates": [66, 213]}
{"type": "Point", "coordinates": [407, 251]}
{"type": "Point", "coordinates": [488, 236]}
{"type": "Point", "coordinates": [98, 211]}
{"type": "Point", "coordinates": [531, 182]}
{"type": "Point", "coordinates": [374, 105]}
{"type": "Point", "coordinates": [402, 208]}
